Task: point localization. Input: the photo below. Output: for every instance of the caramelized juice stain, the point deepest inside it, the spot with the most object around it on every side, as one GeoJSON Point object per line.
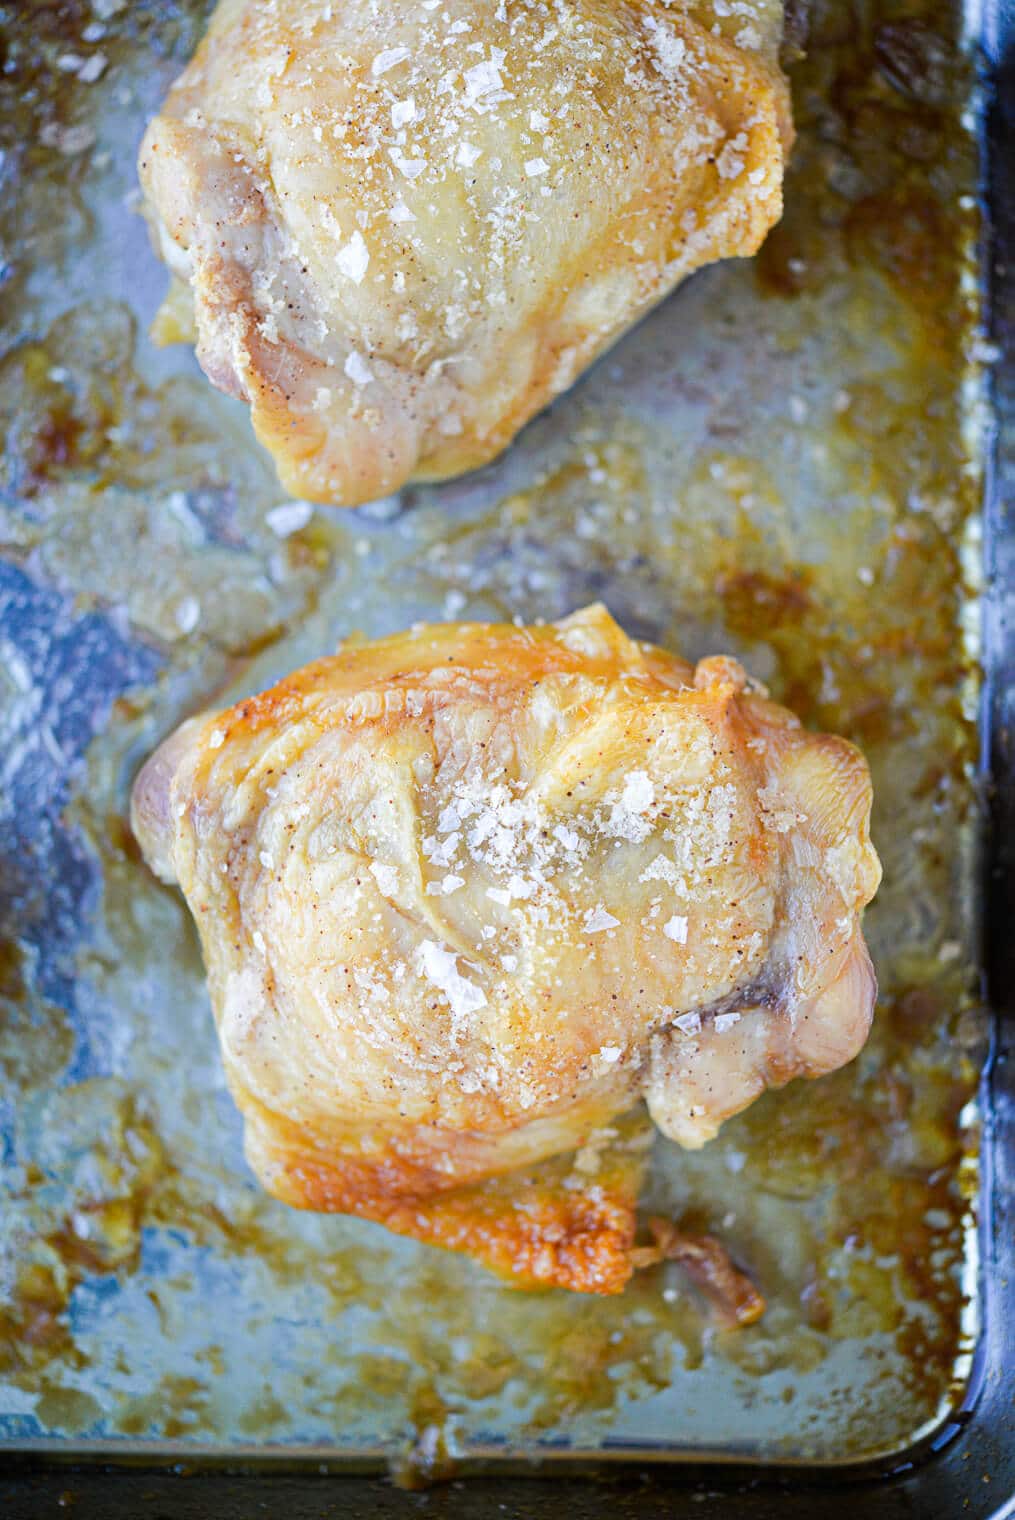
{"type": "Point", "coordinates": [36, 1038]}
{"type": "Point", "coordinates": [428, 1458]}
{"type": "Point", "coordinates": [876, 97]}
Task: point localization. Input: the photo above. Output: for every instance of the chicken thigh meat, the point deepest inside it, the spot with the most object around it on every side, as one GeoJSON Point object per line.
{"type": "Point", "coordinates": [467, 894]}
{"type": "Point", "coordinates": [398, 230]}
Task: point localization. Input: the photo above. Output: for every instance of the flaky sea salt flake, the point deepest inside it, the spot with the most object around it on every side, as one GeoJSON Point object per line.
{"type": "Point", "coordinates": [357, 369]}
{"type": "Point", "coordinates": [484, 79]}
{"type": "Point", "coordinates": [385, 876]}
{"type": "Point", "coordinates": [386, 59]}
{"type": "Point", "coordinates": [354, 259]}
{"type": "Point", "coordinates": [412, 168]}
{"type": "Point", "coordinates": [597, 919]}
{"type": "Point", "coordinates": [440, 967]}
{"type": "Point", "coordinates": [638, 793]}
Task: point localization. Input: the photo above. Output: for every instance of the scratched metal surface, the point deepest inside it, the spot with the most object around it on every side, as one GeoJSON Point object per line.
{"type": "Point", "coordinates": [783, 462]}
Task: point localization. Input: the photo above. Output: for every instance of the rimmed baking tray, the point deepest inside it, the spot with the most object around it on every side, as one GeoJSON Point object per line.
{"type": "Point", "coordinates": [787, 459]}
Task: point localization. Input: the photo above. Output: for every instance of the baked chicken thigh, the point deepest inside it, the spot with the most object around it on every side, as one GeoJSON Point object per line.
{"type": "Point", "coordinates": [467, 894]}
{"type": "Point", "coordinates": [398, 229]}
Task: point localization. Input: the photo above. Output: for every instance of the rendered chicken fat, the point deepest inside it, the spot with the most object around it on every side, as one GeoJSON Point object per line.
{"type": "Point", "coordinates": [403, 229]}
{"type": "Point", "coordinates": [468, 893]}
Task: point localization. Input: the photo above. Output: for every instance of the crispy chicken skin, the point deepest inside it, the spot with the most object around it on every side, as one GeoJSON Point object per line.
{"type": "Point", "coordinates": [467, 894]}
{"type": "Point", "coordinates": [399, 229]}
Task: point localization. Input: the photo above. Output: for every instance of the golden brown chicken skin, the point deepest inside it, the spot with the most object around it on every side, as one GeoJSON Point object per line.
{"type": "Point", "coordinates": [398, 230]}
{"type": "Point", "coordinates": [469, 893]}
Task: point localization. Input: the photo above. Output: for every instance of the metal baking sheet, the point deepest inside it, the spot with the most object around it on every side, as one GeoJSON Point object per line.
{"type": "Point", "coordinates": [783, 461]}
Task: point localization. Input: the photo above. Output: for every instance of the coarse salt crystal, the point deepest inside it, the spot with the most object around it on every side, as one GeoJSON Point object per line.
{"type": "Point", "coordinates": [401, 213]}
{"type": "Point", "coordinates": [536, 166]}
{"type": "Point", "coordinates": [258, 939]}
{"type": "Point", "coordinates": [266, 860]}
{"type": "Point", "coordinates": [688, 1023]}
{"type": "Point", "coordinates": [610, 1053]}
{"type": "Point", "coordinates": [724, 1021]}
{"type": "Point", "coordinates": [402, 112]}
{"type": "Point", "coordinates": [676, 929]}
{"type": "Point", "coordinates": [538, 122]}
